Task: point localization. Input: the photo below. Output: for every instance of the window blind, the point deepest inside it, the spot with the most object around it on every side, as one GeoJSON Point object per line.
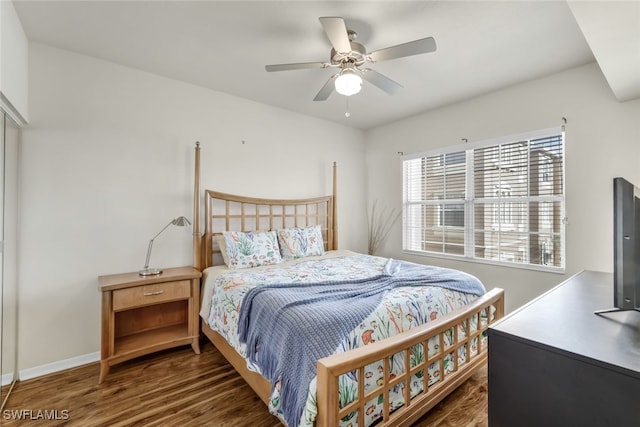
{"type": "Point", "coordinates": [497, 201]}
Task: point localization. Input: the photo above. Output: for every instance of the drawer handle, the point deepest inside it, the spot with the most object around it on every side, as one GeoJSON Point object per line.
{"type": "Point", "coordinates": [150, 294]}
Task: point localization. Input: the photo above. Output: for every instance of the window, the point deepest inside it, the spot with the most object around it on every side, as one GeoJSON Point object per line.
{"type": "Point", "coordinates": [451, 215]}
{"type": "Point", "coordinates": [499, 201]}
{"type": "Point", "coordinates": [502, 210]}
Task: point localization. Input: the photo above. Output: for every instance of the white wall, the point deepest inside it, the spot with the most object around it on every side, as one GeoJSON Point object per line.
{"type": "Point", "coordinates": [602, 141]}
{"type": "Point", "coordinates": [14, 48]}
{"type": "Point", "coordinates": [108, 161]}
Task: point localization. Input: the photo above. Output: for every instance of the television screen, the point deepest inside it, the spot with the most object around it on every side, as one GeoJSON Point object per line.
{"type": "Point", "coordinates": [626, 249]}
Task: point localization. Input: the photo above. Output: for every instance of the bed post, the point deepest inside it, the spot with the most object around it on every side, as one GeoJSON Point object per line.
{"type": "Point", "coordinates": [335, 206]}
{"type": "Point", "coordinates": [197, 235]}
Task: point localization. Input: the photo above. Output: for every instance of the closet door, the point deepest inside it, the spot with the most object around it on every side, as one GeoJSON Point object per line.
{"type": "Point", "coordinates": [9, 162]}
{"type": "Point", "coordinates": [5, 345]}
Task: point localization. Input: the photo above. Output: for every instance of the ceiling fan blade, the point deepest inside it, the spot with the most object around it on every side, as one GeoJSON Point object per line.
{"type": "Point", "coordinates": [415, 47]}
{"type": "Point", "coordinates": [298, 66]}
{"type": "Point", "coordinates": [337, 32]}
{"type": "Point", "coordinates": [327, 89]}
{"type": "Point", "coordinates": [381, 81]}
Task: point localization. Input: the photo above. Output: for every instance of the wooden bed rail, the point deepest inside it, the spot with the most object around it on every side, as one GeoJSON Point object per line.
{"type": "Point", "coordinates": [466, 327]}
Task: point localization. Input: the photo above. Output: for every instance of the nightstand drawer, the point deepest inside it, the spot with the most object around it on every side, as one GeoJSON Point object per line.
{"type": "Point", "coordinates": [150, 294]}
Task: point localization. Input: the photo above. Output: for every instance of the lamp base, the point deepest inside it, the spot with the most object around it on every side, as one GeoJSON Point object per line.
{"type": "Point", "coordinates": [150, 272]}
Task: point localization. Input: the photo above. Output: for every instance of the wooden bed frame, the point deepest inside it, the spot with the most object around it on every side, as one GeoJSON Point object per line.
{"type": "Point", "coordinates": [230, 212]}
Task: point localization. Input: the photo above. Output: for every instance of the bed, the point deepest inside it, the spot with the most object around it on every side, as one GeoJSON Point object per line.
{"type": "Point", "coordinates": [391, 364]}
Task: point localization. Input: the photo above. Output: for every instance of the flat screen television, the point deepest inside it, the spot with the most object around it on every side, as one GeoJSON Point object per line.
{"type": "Point", "coordinates": [626, 247]}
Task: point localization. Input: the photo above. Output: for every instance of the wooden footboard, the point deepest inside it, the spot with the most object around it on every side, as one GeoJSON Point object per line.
{"type": "Point", "coordinates": [465, 330]}
{"type": "Point", "coordinates": [465, 327]}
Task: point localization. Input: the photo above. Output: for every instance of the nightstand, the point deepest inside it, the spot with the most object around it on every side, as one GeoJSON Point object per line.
{"type": "Point", "coordinates": [141, 315]}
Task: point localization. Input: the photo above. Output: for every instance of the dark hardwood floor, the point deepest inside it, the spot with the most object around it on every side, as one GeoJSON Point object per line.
{"type": "Point", "coordinates": [180, 388]}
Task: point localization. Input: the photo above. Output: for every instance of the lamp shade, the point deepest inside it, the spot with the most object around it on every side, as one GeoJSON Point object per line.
{"type": "Point", "coordinates": [348, 83]}
{"type": "Point", "coordinates": [181, 221]}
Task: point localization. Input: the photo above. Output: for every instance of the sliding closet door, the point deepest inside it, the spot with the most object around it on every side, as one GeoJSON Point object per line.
{"type": "Point", "coordinates": [8, 249]}
{"type": "Point", "coordinates": [4, 348]}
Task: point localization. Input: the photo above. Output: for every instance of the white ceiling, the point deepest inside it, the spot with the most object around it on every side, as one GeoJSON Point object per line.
{"type": "Point", "coordinates": [482, 46]}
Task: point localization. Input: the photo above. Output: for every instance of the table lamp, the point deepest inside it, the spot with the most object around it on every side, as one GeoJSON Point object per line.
{"type": "Point", "coordinates": [146, 271]}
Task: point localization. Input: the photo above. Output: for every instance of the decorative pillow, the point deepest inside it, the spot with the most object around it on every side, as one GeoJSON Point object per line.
{"type": "Point", "coordinates": [301, 242]}
{"type": "Point", "coordinates": [251, 249]}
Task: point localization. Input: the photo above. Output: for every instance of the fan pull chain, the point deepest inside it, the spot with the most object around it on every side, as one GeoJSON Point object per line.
{"type": "Point", "coordinates": [347, 114]}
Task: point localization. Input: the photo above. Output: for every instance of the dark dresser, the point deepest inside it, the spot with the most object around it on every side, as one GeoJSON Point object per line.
{"type": "Point", "coordinates": [553, 362]}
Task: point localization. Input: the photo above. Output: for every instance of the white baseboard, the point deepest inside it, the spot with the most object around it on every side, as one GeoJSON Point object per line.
{"type": "Point", "coordinates": [60, 365]}
{"type": "Point", "coordinates": [7, 378]}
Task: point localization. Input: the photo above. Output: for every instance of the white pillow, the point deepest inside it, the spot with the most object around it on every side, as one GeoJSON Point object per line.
{"type": "Point", "coordinates": [222, 245]}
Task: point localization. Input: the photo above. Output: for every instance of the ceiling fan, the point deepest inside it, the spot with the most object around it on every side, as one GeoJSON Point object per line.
{"type": "Point", "coordinates": [349, 56]}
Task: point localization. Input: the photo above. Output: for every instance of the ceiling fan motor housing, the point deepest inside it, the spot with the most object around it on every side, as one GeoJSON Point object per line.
{"type": "Point", "coordinates": [356, 56]}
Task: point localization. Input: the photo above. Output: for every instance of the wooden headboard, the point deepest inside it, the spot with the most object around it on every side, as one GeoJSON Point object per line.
{"type": "Point", "coordinates": [229, 212]}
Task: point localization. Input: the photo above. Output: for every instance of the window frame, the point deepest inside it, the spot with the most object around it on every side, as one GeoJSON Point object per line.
{"type": "Point", "coordinates": [470, 201]}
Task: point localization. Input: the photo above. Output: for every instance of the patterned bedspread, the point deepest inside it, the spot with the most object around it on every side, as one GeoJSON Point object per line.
{"type": "Point", "coordinates": [401, 309]}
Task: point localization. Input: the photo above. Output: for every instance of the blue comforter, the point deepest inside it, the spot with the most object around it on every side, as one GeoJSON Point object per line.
{"type": "Point", "coordinates": [277, 320]}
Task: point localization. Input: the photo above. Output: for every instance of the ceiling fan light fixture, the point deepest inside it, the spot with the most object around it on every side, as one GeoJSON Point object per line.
{"type": "Point", "coordinates": [349, 56]}
{"type": "Point", "coordinates": [348, 83]}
